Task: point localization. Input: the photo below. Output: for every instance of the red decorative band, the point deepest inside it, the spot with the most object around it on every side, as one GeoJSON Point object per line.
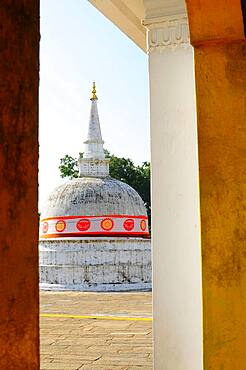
{"type": "Point", "coordinates": [107, 224]}
{"type": "Point", "coordinates": [143, 225]}
{"type": "Point", "coordinates": [60, 226]}
{"type": "Point", "coordinates": [83, 224]}
{"type": "Point", "coordinates": [129, 224]}
{"type": "Point", "coordinates": [53, 227]}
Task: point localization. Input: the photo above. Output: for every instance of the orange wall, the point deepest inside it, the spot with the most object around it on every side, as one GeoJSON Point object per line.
{"type": "Point", "coordinates": [221, 104]}
{"type": "Point", "coordinates": [19, 40]}
{"type": "Point", "coordinates": [215, 20]}
{"type": "Point", "coordinates": [220, 69]}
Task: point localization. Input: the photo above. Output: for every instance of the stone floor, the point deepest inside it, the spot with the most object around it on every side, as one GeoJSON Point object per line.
{"type": "Point", "coordinates": [106, 331]}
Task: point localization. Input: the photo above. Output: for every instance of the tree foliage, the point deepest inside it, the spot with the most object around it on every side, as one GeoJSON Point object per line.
{"type": "Point", "coordinates": [69, 167]}
{"type": "Point", "coordinates": [122, 169]}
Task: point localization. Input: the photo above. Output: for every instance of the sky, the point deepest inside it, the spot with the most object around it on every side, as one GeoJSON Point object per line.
{"type": "Point", "coordinates": [79, 45]}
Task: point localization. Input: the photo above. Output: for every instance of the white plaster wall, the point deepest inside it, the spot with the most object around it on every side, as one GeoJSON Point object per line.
{"type": "Point", "coordinates": [95, 264]}
{"type": "Point", "coordinates": [175, 217]}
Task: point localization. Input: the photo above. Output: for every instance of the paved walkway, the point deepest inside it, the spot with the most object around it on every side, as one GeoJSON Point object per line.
{"type": "Point", "coordinates": [106, 331]}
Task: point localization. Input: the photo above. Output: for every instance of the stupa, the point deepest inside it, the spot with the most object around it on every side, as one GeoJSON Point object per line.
{"type": "Point", "coordinates": [94, 229]}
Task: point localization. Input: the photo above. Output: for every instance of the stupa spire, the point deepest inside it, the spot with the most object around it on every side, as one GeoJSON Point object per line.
{"type": "Point", "coordinates": [93, 146]}
{"type": "Point", "coordinates": [94, 92]}
{"type": "Point", "coordinates": [94, 163]}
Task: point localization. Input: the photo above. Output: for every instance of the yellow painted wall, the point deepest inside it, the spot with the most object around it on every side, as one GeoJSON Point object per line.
{"type": "Point", "coordinates": [220, 67]}
{"type": "Point", "coordinates": [221, 103]}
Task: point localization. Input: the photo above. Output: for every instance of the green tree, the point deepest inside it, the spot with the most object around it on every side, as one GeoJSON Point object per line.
{"type": "Point", "coordinates": [122, 169]}
{"type": "Point", "coordinates": [69, 166]}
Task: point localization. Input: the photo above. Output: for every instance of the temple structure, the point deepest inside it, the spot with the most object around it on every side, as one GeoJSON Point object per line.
{"type": "Point", "coordinates": [94, 229]}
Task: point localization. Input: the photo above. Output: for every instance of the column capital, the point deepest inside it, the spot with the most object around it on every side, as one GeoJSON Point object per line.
{"type": "Point", "coordinates": [167, 24]}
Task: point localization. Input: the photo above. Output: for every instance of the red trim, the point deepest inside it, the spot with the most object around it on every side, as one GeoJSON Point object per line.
{"type": "Point", "coordinates": [96, 233]}
{"type": "Point", "coordinates": [72, 217]}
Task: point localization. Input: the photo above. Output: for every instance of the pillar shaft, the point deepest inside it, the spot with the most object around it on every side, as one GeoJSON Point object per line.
{"type": "Point", "coordinates": [221, 97]}
{"type": "Point", "coordinates": [19, 66]}
{"type": "Point", "coordinates": [220, 60]}
{"type": "Point", "coordinates": [175, 198]}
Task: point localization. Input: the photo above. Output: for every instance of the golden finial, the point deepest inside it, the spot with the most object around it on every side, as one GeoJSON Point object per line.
{"type": "Point", "coordinates": [94, 92]}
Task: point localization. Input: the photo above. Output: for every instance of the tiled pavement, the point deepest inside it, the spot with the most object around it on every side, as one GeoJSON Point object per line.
{"type": "Point", "coordinates": [119, 343]}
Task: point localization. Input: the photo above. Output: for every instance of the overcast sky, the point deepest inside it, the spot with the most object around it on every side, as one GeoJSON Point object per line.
{"type": "Point", "coordinates": [79, 45]}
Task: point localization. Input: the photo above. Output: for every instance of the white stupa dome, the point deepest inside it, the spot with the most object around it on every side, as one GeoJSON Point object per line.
{"type": "Point", "coordinates": [94, 204]}
{"type": "Point", "coordinates": [93, 196]}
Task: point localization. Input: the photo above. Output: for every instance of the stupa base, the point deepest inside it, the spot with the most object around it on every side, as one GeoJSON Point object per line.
{"type": "Point", "coordinates": [95, 264]}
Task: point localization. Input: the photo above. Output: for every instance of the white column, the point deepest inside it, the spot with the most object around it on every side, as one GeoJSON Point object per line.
{"type": "Point", "coordinates": [175, 194]}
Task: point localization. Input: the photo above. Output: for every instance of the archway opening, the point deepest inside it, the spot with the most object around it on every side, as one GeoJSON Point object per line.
{"type": "Point", "coordinates": [78, 46]}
